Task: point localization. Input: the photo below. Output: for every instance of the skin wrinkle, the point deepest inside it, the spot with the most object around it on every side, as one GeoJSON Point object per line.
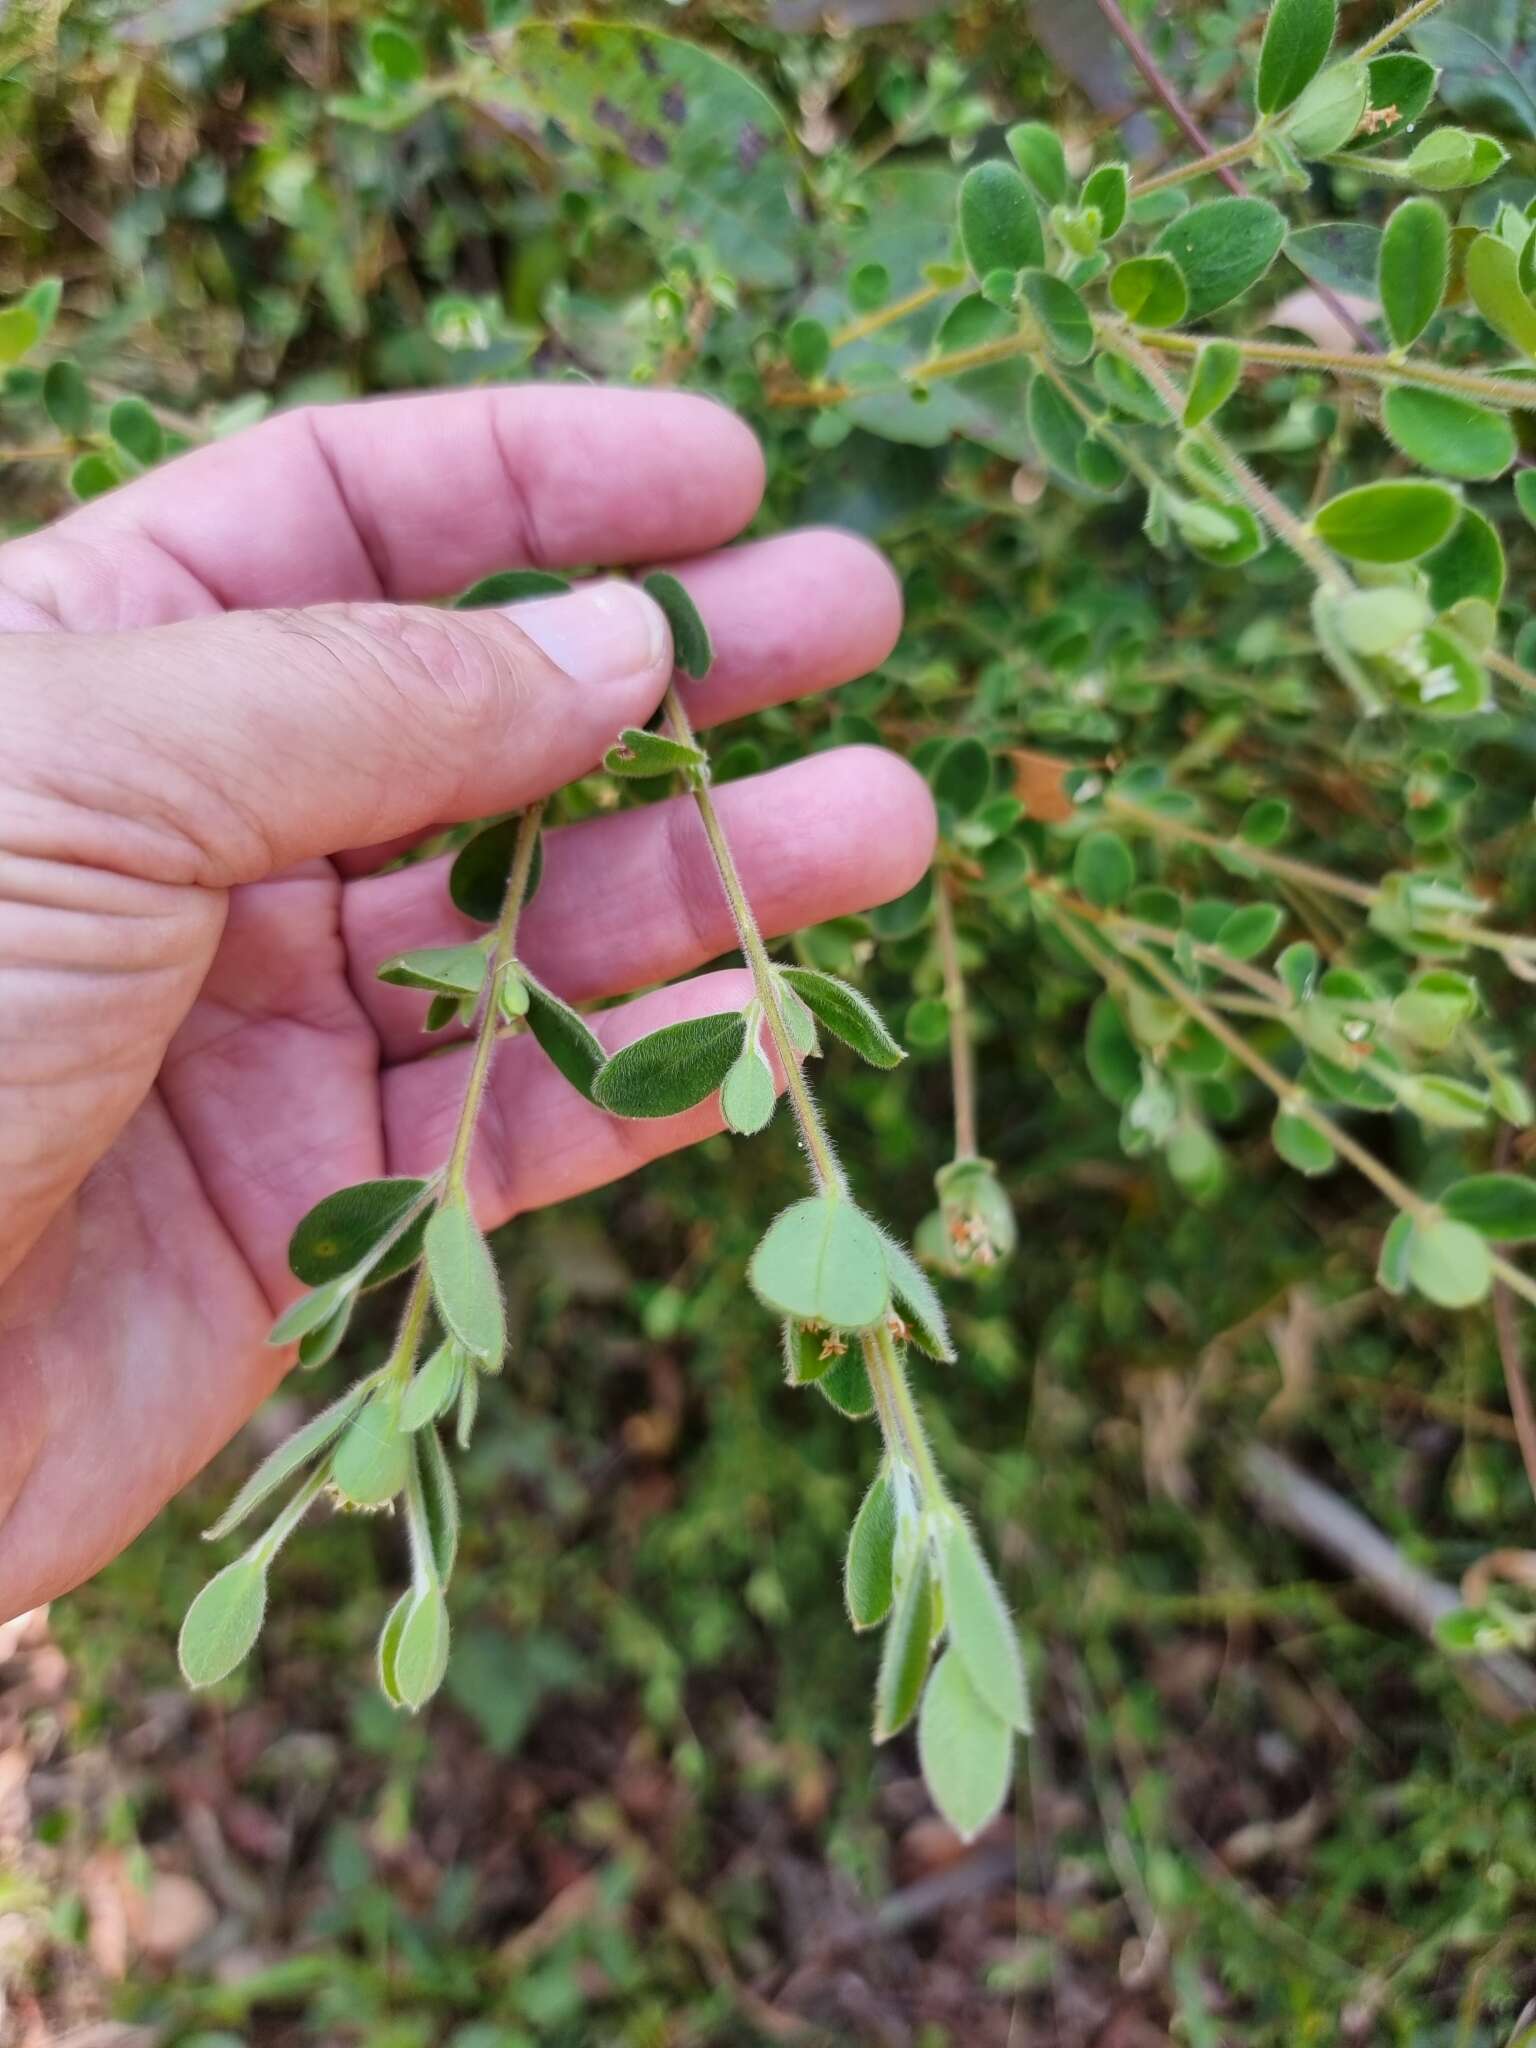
{"type": "Point", "coordinates": [373, 547]}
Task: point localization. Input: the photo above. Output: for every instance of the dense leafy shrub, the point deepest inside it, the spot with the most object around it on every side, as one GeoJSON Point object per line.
{"type": "Point", "coordinates": [1215, 660]}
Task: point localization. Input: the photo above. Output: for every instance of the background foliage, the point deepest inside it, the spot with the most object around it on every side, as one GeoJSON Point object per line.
{"type": "Point", "coordinates": [1259, 1806]}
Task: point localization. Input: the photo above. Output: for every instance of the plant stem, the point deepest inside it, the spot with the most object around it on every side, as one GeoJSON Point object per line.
{"type": "Point", "coordinates": [268, 1544]}
{"type": "Point", "coordinates": [1508, 392]}
{"type": "Point", "coordinates": [1504, 665]}
{"type": "Point", "coordinates": [828, 1173]}
{"type": "Point", "coordinates": [1175, 108]}
{"type": "Point", "coordinates": [402, 1358]}
{"type": "Point", "coordinates": [1299, 871]}
{"type": "Point", "coordinates": [1405, 21]}
{"type": "Point", "coordinates": [962, 1053]}
{"type": "Point", "coordinates": [1197, 167]}
{"type": "Point", "coordinates": [884, 316]}
{"type": "Point", "coordinates": [1100, 427]}
{"type": "Point", "coordinates": [502, 944]}
{"type": "Point", "coordinates": [898, 1410]}
{"type": "Point", "coordinates": [900, 1422]}
{"type": "Point", "coordinates": [1280, 520]}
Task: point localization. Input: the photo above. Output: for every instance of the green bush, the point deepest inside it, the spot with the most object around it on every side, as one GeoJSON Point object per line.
{"type": "Point", "coordinates": [1217, 661]}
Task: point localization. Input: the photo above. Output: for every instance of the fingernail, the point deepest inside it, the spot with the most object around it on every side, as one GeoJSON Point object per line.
{"type": "Point", "coordinates": [602, 633]}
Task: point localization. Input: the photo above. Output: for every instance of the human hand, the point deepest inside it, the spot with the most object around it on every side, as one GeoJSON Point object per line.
{"type": "Point", "coordinates": [194, 794]}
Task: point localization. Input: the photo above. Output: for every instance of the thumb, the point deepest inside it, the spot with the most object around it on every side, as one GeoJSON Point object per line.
{"type": "Point", "coordinates": [227, 748]}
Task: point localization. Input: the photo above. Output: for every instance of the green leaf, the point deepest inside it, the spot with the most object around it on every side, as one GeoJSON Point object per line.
{"type": "Point", "coordinates": [871, 1546]}
{"type": "Point", "coordinates": [905, 1651]}
{"type": "Point", "coordinates": [420, 1648]}
{"type": "Point", "coordinates": [747, 1094]}
{"type": "Point", "coordinates": [566, 1038]}
{"type": "Point", "coordinates": [1388, 522]}
{"type": "Point", "coordinates": [1039, 155]}
{"type": "Point", "coordinates": [999, 225]}
{"type": "Point", "coordinates": [845, 1013]}
{"type": "Point", "coordinates": [1493, 282]}
{"type": "Point", "coordinates": [1127, 390]}
{"type": "Point", "coordinates": [136, 431]}
{"type": "Point", "coordinates": [1403, 84]}
{"type": "Point", "coordinates": [845, 1384]}
{"type": "Point", "coordinates": [1103, 869]}
{"type": "Point", "coordinates": [432, 1388]}
{"type": "Point", "coordinates": [823, 1261]}
{"type": "Point", "coordinates": [1114, 1058]}
{"type": "Point", "coordinates": [1108, 189]}
{"type": "Point", "coordinates": [692, 650]}
{"type": "Point", "coordinates": [1501, 1206]}
{"type": "Point", "coordinates": [1297, 38]}
{"type": "Point", "coordinates": [316, 1346]}
{"type": "Point", "coordinates": [389, 1643]}
{"type": "Point", "coordinates": [798, 1021]}
{"type": "Point", "coordinates": [1218, 372]}
{"type": "Point", "coordinates": [20, 329]}
{"type": "Point", "coordinates": [465, 1285]}
{"type": "Point", "coordinates": [440, 1499]}
{"type": "Point", "coordinates": [670, 1070]}
{"type": "Point", "coordinates": [93, 476]}
{"type": "Point", "coordinates": [1396, 1245]}
{"type": "Point", "coordinates": [1266, 822]}
{"type": "Point", "coordinates": [806, 1353]}
{"type": "Point", "coordinates": [1448, 1262]}
{"type": "Point", "coordinates": [808, 347]}
{"type": "Point", "coordinates": [1450, 159]}
{"type": "Point", "coordinates": [688, 145]}
{"type": "Point", "coordinates": [980, 1627]}
{"type": "Point", "coordinates": [965, 1751]}
{"type": "Point", "coordinates": [340, 1232]}
{"type": "Point", "coordinates": [1329, 112]}
{"type": "Point", "coordinates": [446, 970]}
{"type": "Point", "coordinates": [1448, 435]}
{"type": "Point", "coordinates": [397, 55]}
{"type": "Point", "coordinates": [1222, 247]}
{"type": "Point", "coordinates": [43, 300]}
{"type": "Point", "coordinates": [926, 1322]}
{"type": "Point", "coordinates": [469, 1406]}
{"type": "Point", "coordinates": [1301, 1144]}
{"type": "Point", "coordinates": [961, 776]}
{"type": "Point", "coordinates": [373, 1459]}
{"type": "Point", "coordinates": [511, 586]}
{"type": "Point", "coordinates": [868, 287]}
{"type": "Point", "coordinates": [1378, 622]}
{"type": "Point", "coordinates": [1525, 494]}
{"type": "Point", "coordinates": [641, 754]}
{"type": "Point", "coordinates": [67, 398]}
{"type": "Point", "coordinates": [1151, 290]}
{"type": "Point", "coordinates": [1250, 931]}
{"type": "Point", "coordinates": [223, 1622]}
{"type": "Point", "coordinates": [290, 1456]}
{"type": "Point", "coordinates": [1414, 268]}
{"type": "Point", "coordinates": [308, 1313]}
{"type": "Point", "coordinates": [1470, 564]}
{"type": "Point", "coordinates": [1064, 319]}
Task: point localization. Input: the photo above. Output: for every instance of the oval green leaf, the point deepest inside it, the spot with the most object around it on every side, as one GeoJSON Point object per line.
{"type": "Point", "coordinates": [1413, 268]}
{"type": "Point", "coordinates": [980, 1626]}
{"type": "Point", "coordinates": [999, 224]}
{"type": "Point", "coordinates": [1222, 248]}
{"type": "Point", "coordinates": [871, 1546]}
{"type": "Point", "coordinates": [671, 1070]}
{"type": "Point", "coordinates": [845, 1013]}
{"type": "Point", "coordinates": [1448, 435]}
{"type": "Point", "coordinates": [1297, 38]}
{"type": "Point", "coordinates": [965, 1751]}
{"type": "Point", "coordinates": [823, 1261]}
{"type": "Point", "coordinates": [223, 1622]}
{"type": "Point", "coordinates": [1388, 522]}
{"type": "Point", "coordinates": [1501, 1206]}
{"type": "Point", "coordinates": [465, 1285]}
{"type": "Point", "coordinates": [341, 1231]}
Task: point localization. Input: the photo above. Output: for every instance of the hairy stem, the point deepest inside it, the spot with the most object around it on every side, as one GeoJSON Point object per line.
{"type": "Point", "coordinates": [828, 1173]}
{"type": "Point", "coordinates": [1408, 19]}
{"type": "Point", "coordinates": [1278, 517]}
{"type": "Point", "coordinates": [1485, 390]}
{"type": "Point", "coordinates": [886, 316]}
{"type": "Point", "coordinates": [502, 945]}
{"type": "Point", "coordinates": [962, 1053]}
{"type": "Point", "coordinates": [1197, 167]}
{"type": "Point", "coordinates": [900, 1422]}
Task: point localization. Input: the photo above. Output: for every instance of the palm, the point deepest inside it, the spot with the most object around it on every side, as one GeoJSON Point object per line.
{"type": "Point", "coordinates": [201, 1092]}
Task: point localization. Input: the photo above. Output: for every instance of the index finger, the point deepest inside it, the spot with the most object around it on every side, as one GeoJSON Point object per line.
{"type": "Point", "coordinates": [400, 498]}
